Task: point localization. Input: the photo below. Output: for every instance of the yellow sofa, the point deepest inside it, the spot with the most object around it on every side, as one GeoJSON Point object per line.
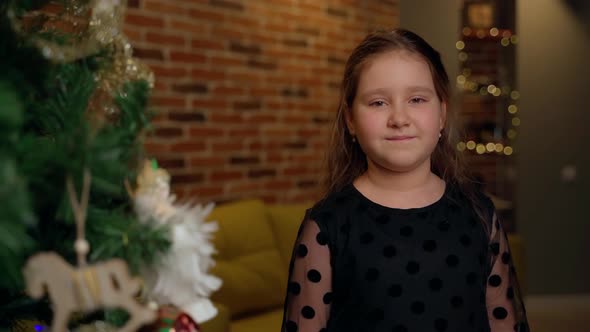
{"type": "Point", "coordinates": [254, 245]}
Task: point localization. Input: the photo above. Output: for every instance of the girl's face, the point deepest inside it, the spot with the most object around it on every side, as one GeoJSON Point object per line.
{"type": "Point", "coordinates": [396, 114]}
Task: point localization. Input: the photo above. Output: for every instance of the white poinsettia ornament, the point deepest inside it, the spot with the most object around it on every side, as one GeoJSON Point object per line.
{"type": "Point", "coordinates": [181, 278]}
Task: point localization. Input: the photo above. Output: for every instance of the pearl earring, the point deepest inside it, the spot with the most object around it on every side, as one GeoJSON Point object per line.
{"type": "Point", "coordinates": [353, 139]}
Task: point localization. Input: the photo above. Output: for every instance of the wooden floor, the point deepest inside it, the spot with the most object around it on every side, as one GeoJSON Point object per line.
{"type": "Point", "coordinates": [559, 313]}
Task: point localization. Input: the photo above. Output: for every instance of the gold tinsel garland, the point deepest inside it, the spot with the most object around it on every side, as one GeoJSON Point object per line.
{"type": "Point", "coordinates": [86, 28]}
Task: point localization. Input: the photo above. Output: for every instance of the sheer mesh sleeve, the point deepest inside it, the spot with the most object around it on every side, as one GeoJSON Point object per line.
{"type": "Point", "coordinates": [307, 304]}
{"type": "Point", "coordinates": [506, 310]}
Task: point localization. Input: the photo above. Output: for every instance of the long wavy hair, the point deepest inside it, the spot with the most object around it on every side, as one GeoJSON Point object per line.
{"type": "Point", "coordinates": [346, 160]}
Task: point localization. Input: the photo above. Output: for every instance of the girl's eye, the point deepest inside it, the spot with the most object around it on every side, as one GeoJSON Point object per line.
{"type": "Point", "coordinates": [417, 100]}
{"type": "Point", "coordinates": [377, 103]}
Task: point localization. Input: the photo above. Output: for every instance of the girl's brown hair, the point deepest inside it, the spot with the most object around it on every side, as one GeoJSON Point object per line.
{"type": "Point", "coordinates": [346, 161]}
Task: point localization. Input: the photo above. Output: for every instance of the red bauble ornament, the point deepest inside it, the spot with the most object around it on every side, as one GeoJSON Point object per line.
{"type": "Point", "coordinates": [184, 323]}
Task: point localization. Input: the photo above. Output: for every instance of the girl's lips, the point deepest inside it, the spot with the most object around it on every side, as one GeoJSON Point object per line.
{"type": "Point", "coordinates": [399, 138]}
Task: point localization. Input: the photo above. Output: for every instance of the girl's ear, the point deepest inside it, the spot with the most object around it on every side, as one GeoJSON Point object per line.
{"type": "Point", "coordinates": [348, 118]}
{"type": "Point", "coordinates": [443, 115]}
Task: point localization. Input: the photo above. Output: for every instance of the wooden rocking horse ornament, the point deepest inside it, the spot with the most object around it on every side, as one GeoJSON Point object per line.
{"type": "Point", "coordinates": [87, 287]}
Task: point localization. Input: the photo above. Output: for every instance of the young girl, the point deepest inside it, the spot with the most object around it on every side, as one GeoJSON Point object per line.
{"type": "Point", "coordinates": [402, 240]}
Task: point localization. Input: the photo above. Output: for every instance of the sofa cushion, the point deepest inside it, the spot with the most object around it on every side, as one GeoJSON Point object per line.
{"type": "Point", "coordinates": [263, 322]}
{"type": "Point", "coordinates": [248, 259]}
{"type": "Point", "coordinates": [285, 220]}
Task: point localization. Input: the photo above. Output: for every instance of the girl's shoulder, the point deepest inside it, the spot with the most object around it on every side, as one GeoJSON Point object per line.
{"type": "Point", "coordinates": [333, 206]}
{"type": "Point", "coordinates": [479, 202]}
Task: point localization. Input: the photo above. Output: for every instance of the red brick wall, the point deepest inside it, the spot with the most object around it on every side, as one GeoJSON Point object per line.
{"type": "Point", "coordinates": [247, 90]}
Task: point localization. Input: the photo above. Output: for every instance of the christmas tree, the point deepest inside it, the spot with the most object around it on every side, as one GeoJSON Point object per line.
{"type": "Point", "coordinates": [72, 101]}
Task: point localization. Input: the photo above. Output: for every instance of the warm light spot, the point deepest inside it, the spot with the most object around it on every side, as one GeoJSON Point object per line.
{"type": "Point", "coordinates": [511, 133]}
{"type": "Point", "coordinates": [516, 122]}
{"type": "Point", "coordinates": [491, 147]}
{"type": "Point", "coordinates": [512, 109]}
{"type": "Point", "coordinates": [461, 146]}
{"type": "Point", "coordinates": [481, 149]}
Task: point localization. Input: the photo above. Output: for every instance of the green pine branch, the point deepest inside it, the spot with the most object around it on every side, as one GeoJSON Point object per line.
{"type": "Point", "coordinates": [43, 120]}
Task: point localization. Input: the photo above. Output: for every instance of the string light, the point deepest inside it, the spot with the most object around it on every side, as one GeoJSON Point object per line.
{"type": "Point", "coordinates": [512, 109]}
{"type": "Point", "coordinates": [516, 122]}
{"type": "Point", "coordinates": [505, 38]}
{"type": "Point", "coordinates": [491, 147]}
{"type": "Point", "coordinates": [480, 149]}
{"type": "Point", "coordinates": [511, 133]}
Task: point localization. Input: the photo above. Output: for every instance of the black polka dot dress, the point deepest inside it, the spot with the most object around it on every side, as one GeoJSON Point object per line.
{"type": "Point", "coordinates": [361, 266]}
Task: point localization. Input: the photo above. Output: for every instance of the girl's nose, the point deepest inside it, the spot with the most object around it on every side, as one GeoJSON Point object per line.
{"type": "Point", "coordinates": [397, 117]}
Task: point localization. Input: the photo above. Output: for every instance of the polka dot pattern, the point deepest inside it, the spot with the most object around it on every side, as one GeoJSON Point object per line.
{"type": "Point", "coordinates": [314, 276]}
{"type": "Point", "coordinates": [418, 307]}
{"type": "Point", "coordinates": [429, 246]}
{"type": "Point", "coordinates": [465, 240]}
{"type": "Point", "coordinates": [366, 238]}
{"type": "Point", "coordinates": [412, 267]}
{"type": "Point", "coordinates": [302, 250]}
{"type": "Point", "coordinates": [389, 251]}
{"type": "Point", "coordinates": [452, 260]}
{"type": "Point", "coordinates": [395, 290]}
{"type": "Point", "coordinates": [372, 274]}
{"type": "Point", "coordinates": [435, 284]}
{"type": "Point", "coordinates": [406, 231]}
{"type": "Point", "coordinates": [500, 313]}
{"type": "Point", "coordinates": [322, 239]}
{"type": "Point", "coordinates": [308, 312]}
{"type": "Point", "coordinates": [291, 326]}
{"type": "Point", "coordinates": [432, 264]}
{"type": "Point", "coordinates": [457, 301]}
{"type": "Point", "coordinates": [294, 288]}
{"type": "Point", "coordinates": [495, 280]}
